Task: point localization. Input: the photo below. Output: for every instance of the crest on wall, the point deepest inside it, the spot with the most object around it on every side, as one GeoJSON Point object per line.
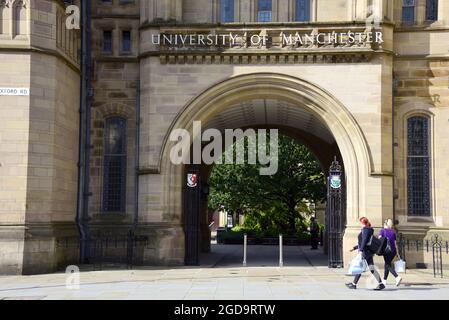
{"type": "Point", "coordinates": [192, 180]}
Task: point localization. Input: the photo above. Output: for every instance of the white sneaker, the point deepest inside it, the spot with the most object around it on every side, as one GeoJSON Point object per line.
{"type": "Point", "coordinates": [384, 282]}
{"type": "Point", "coordinates": [398, 281]}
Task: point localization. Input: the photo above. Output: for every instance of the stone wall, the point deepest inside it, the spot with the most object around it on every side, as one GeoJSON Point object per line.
{"type": "Point", "coordinates": [39, 141]}
{"type": "Point", "coordinates": [422, 73]}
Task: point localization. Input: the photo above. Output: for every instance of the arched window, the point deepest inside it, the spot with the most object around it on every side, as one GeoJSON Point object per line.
{"type": "Point", "coordinates": [19, 16]}
{"type": "Point", "coordinates": [3, 17]}
{"type": "Point", "coordinates": [227, 11]}
{"type": "Point", "coordinates": [302, 10]}
{"type": "Point", "coordinates": [431, 10]}
{"type": "Point", "coordinates": [264, 10]}
{"type": "Point", "coordinates": [418, 166]}
{"type": "Point", "coordinates": [114, 176]}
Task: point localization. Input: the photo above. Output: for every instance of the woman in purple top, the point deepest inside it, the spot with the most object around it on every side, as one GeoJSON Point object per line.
{"type": "Point", "coordinates": [388, 232]}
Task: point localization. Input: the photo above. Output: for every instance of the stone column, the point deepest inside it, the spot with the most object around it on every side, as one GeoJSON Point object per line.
{"type": "Point", "coordinates": [361, 9]}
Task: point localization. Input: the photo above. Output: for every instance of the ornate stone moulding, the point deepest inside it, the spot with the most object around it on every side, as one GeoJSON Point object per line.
{"type": "Point", "coordinates": [10, 3]}
{"type": "Point", "coordinates": [266, 58]}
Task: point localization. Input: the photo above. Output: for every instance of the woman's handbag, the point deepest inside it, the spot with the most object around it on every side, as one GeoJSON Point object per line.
{"type": "Point", "coordinates": [377, 245]}
{"type": "Point", "coordinates": [358, 265]}
{"type": "Point", "coordinates": [399, 266]}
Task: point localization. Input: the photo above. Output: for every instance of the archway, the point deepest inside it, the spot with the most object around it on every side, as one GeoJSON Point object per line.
{"type": "Point", "coordinates": [299, 98]}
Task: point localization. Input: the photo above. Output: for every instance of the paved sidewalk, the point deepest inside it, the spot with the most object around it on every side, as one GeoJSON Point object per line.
{"type": "Point", "coordinates": [304, 276]}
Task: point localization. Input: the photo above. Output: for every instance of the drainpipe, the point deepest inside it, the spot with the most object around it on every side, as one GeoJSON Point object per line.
{"type": "Point", "coordinates": [393, 145]}
{"type": "Point", "coordinates": [137, 163]}
{"type": "Point", "coordinates": [82, 214]}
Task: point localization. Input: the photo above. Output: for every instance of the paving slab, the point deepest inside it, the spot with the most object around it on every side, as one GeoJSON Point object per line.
{"type": "Point", "coordinates": [306, 277]}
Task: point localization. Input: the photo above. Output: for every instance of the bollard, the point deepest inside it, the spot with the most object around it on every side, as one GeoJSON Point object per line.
{"type": "Point", "coordinates": [281, 258]}
{"type": "Point", "coordinates": [245, 243]}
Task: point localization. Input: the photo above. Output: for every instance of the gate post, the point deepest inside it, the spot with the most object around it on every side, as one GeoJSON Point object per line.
{"type": "Point", "coordinates": [437, 257]}
{"type": "Point", "coordinates": [334, 215]}
{"type": "Point", "coordinates": [192, 208]}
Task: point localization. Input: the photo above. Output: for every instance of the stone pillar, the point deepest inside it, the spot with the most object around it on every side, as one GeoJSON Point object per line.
{"type": "Point", "coordinates": [247, 11]}
{"type": "Point", "coordinates": [361, 9]}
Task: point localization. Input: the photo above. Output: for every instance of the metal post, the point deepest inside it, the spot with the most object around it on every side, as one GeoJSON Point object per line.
{"type": "Point", "coordinates": [281, 258]}
{"type": "Point", "coordinates": [245, 244]}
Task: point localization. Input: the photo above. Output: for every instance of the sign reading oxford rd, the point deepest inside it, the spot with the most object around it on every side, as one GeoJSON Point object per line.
{"type": "Point", "coordinates": [14, 91]}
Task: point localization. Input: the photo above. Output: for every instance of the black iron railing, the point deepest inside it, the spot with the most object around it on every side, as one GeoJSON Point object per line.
{"type": "Point", "coordinates": [435, 246]}
{"type": "Point", "coordinates": [106, 249]}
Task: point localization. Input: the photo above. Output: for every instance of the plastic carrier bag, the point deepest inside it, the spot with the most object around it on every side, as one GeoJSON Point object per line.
{"type": "Point", "coordinates": [399, 266]}
{"type": "Point", "coordinates": [358, 265]}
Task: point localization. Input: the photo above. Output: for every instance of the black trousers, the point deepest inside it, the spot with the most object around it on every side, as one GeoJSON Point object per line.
{"type": "Point", "coordinates": [314, 239]}
{"type": "Point", "coordinates": [370, 261]}
{"type": "Point", "coordinates": [388, 267]}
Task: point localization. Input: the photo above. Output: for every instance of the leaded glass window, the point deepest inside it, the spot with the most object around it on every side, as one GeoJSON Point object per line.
{"type": "Point", "coordinates": [264, 10]}
{"type": "Point", "coordinates": [303, 10]}
{"type": "Point", "coordinates": [418, 166]}
{"type": "Point", "coordinates": [107, 41]}
{"type": "Point", "coordinates": [408, 11]}
{"type": "Point", "coordinates": [227, 10]}
{"type": "Point", "coordinates": [114, 177]}
{"type": "Point", "coordinates": [431, 10]}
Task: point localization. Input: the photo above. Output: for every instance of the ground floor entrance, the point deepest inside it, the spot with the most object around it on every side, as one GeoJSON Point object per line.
{"type": "Point", "coordinates": [295, 120]}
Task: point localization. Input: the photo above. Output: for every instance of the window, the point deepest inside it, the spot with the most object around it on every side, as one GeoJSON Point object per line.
{"type": "Point", "coordinates": [303, 10]}
{"type": "Point", "coordinates": [126, 41]}
{"type": "Point", "coordinates": [408, 11]}
{"type": "Point", "coordinates": [19, 18]}
{"type": "Point", "coordinates": [3, 18]}
{"type": "Point", "coordinates": [227, 11]}
{"type": "Point", "coordinates": [418, 166]}
{"type": "Point", "coordinates": [114, 176]}
{"type": "Point", "coordinates": [431, 10]}
{"type": "Point", "coordinates": [107, 41]}
{"type": "Point", "coordinates": [264, 11]}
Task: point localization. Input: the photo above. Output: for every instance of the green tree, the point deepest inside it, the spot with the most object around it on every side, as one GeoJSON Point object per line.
{"type": "Point", "coordinates": [279, 196]}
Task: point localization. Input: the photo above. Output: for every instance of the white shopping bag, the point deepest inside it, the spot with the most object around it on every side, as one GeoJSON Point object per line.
{"type": "Point", "coordinates": [358, 265]}
{"type": "Point", "coordinates": [399, 266]}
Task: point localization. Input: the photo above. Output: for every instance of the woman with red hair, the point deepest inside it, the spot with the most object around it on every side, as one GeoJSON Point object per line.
{"type": "Point", "coordinates": [364, 236]}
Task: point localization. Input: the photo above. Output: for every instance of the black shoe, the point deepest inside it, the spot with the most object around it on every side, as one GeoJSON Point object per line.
{"type": "Point", "coordinates": [380, 287]}
{"type": "Point", "coordinates": [351, 286]}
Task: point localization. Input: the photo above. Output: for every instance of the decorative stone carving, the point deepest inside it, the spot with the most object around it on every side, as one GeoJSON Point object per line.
{"type": "Point", "coordinates": [6, 3]}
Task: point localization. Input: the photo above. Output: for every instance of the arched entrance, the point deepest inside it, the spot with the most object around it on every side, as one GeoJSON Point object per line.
{"type": "Point", "coordinates": [277, 101]}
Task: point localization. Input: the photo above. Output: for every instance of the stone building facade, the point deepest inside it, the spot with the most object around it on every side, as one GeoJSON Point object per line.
{"type": "Point", "coordinates": [378, 101]}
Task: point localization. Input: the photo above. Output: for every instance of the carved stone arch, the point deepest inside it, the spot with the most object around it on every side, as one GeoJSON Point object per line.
{"type": "Point", "coordinates": [340, 122]}
{"type": "Point", "coordinates": [114, 109]}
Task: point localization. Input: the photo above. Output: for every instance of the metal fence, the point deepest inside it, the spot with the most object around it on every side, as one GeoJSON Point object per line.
{"type": "Point", "coordinates": [108, 249]}
{"type": "Point", "coordinates": [424, 252]}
